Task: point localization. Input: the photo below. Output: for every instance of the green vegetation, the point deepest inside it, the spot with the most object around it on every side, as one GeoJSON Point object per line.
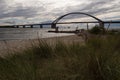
{"type": "Point", "coordinates": [98, 59]}
{"type": "Point", "coordinates": [96, 30]}
{"type": "Point", "coordinates": [113, 32]}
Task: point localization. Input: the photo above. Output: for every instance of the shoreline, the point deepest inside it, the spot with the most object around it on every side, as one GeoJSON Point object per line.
{"type": "Point", "coordinates": [8, 46]}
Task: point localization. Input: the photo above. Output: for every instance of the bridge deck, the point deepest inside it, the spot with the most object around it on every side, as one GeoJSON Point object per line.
{"type": "Point", "coordinates": [42, 24]}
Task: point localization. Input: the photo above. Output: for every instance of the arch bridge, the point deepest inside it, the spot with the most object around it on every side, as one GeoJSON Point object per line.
{"type": "Point", "coordinates": [55, 22]}
{"type": "Point", "coordinates": [53, 25]}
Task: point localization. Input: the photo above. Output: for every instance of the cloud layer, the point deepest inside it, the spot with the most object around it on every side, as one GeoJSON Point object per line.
{"type": "Point", "coordinates": [46, 10]}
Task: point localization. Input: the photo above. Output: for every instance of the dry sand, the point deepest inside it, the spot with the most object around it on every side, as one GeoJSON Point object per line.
{"type": "Point", "coordinates": [18, 45]}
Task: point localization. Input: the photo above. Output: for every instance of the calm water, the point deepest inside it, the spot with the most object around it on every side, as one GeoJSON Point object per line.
{"type": "Point", "coordinates": [27, 33]}
{"type": "Point", "coordinates": [34, 33]}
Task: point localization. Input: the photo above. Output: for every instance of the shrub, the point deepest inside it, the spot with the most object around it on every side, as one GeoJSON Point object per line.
{"type": "Point", "coordinates": [96, 30]}
{"type": "Point", "coordinates": [113, 32]}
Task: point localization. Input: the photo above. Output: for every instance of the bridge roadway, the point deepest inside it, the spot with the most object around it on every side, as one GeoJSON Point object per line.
{"type": "Point", "coordinates": [42, 24]}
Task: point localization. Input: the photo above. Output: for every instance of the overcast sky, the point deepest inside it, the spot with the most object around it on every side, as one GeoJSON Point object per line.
{"type": "Point", "coordinates": [36, 11]}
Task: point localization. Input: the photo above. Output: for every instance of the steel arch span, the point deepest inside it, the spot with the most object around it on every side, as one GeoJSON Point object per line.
{"type": "Point", "coordinates": [101, 23]}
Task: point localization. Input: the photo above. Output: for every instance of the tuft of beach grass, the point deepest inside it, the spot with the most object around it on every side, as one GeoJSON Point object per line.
{"type": "Point", "coordinates": [97, 59]}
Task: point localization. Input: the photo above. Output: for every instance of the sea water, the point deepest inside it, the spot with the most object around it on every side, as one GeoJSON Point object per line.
{"type": "Point", "coordinates": [35, 33]}
{"type": "Point", "coordinates": [28, 33]}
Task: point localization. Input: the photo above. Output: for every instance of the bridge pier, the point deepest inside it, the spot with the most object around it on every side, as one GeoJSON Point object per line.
{"type": "Point", "coordinates": [41, 26]}
{"type": "Point", "coordinates": [23, 26]}
{"type": "Point", "coordinates": [56, 29]}
{"type": "Point", "coordinates": [17, 26]}
{"type": "Point", "coordinates": [53, 25]}
{"type": "Point", "coordinates": [101, 24]}
{"type": "Point", "coordinates": [31, 26]}
{"type": "Point", "coordinates": [87, 26]}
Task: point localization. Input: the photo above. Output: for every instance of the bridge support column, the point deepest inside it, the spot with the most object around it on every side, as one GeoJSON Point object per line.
{"type": "Point", "coordinates": [17, 26]}
{"type": "Point", "coordinates": [56, 29]}
{"type": "Point", "coordinates": [101, 24]}
{"type": "Point", "coordinates": [87, 26]}
{"type": "Point", "coordinates": [23, 26]}
{"type": "Point", "coordinates": [31, 26]}
{"type": "Point", "coordinates": [53, 25]}
{"type": "Point", "coordinates": [41, 26]}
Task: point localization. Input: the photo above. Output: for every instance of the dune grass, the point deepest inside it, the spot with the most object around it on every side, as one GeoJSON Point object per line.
{"type": "Point", "coordinates": [98, 59]}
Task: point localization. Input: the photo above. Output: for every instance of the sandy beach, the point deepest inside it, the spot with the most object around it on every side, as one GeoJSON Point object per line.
{"type": "Point", "coordinates": [8, 46]}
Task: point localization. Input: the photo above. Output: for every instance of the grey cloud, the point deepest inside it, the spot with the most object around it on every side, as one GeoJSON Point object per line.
{"type": "Point", "coordinates": [2, 6]}
{"type": "Point", "coordinates": [20, 11]}
{"type": "Point", "coordinates": [94, 8]}
{"type": "Point", "coordinates": [2, 2]}
{"type": "Point", "coordinates": [91, 7]}
{"type": "Point", "coordinates": [98, 10]}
